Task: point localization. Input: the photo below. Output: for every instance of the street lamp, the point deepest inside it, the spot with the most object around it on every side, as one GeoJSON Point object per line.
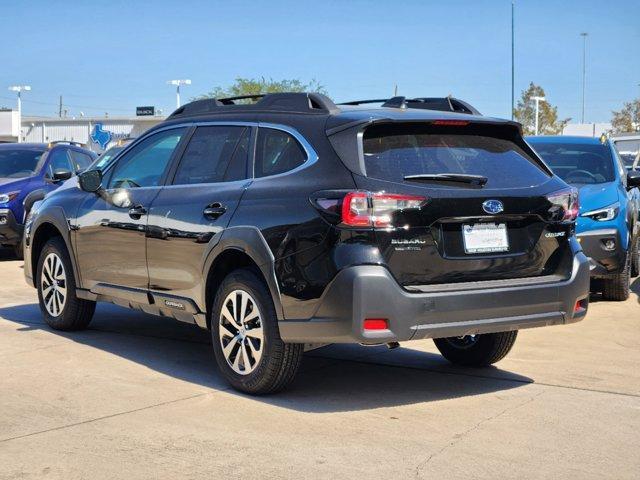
{"type": "Point", "coordinates": [538, 100]}
{"type": "Point", "coordinates": [584, 68]}
{"type": "Point", "coordinates": [178, 83]}
{"type": "Point", "coordinates": [20, 89]}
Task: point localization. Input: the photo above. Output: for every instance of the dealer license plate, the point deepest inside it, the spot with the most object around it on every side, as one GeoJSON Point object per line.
{"type": "Point", "coordinates": [485, 238]}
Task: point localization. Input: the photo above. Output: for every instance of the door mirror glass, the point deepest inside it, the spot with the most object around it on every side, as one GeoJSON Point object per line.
{"type": "Point", "coordinates": [633, 179]}
{"type": "Point", "coordinates": [90, 181]}
{"type": "Point", "coordinates": [60, 174]}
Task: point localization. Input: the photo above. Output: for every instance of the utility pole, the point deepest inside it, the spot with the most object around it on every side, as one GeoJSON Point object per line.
{"type": "Point", "coordinates": [60, 107]}
{"type": "Point", "coordinates": [177, 84]}
{"type": "Point", "coordinates": [537, 100]}
{"type": "Point", "coordinates": [395, 91]}
{"type": "Point", "coordinates": [20, 89]}
{"type": "Point", "coordinates": [513, 59]}
{"type": "Point", "coordinates": [584, 69]}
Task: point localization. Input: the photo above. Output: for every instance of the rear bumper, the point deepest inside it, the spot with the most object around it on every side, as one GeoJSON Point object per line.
{"type": "Point", "coordinates": [10, 229]}
{"type": "Point", "coordinates": [370, 291]}
{"type": "Point", "coordinates": [603, 262]}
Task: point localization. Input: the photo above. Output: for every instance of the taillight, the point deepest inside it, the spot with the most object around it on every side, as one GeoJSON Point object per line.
{"type": "Point", "coordinates": [366, 209]}
{"type": "Point", "coordinates": [565, 205]}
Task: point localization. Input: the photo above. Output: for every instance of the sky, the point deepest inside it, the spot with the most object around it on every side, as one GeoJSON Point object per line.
{"type": "Point", "coordinates": [111, 56]}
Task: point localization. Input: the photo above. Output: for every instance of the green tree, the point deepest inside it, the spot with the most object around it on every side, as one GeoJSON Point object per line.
{"type": "Point", "coordinates": [255, 86]}
{"type": "Point", "coordinates": [628, 118]}
{"type": "Point", "coordinates": [525, 113]}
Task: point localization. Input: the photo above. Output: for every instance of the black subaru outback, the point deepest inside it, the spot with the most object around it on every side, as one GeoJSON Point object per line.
{"type": "Point", "coordinates": [284, 220]}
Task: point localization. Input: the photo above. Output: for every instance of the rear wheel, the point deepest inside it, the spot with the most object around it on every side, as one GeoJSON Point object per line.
{"type": "Point", "coordinates": [246, 340]}
{"type": "Point", "coordinates": [61, 308]}
{"type": "Point", "coordinates": [616, 287]}
{"type": "Point", "coordinates": [476, 350]}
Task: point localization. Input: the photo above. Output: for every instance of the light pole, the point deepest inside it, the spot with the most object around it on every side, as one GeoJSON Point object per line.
{"type": "Point", "coordinates": [537, 100]}
{"type": "Point", "coordinates": [513, 56]}
{"type": "Point", "coordinates": [584, 68]}
{"type": "Point", "coordinates": [20, 89]}
{"type": "Point", "coordinates": [178, 83]}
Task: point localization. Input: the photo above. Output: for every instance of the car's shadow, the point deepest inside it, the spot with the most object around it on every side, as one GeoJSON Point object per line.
{"type": "Point", "coordinates": [332, 379]}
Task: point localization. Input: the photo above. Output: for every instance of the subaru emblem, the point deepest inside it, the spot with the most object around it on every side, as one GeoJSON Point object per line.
{"type": "Point", "coordinates": [492, 206]}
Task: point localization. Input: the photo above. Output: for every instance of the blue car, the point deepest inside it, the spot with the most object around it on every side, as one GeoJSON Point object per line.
{"type": "Point", "coordinates": [28, 171]}
{"type": "Point", "coordinates": [607, 225]}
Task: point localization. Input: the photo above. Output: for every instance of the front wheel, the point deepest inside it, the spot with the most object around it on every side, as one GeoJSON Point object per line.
{"type": "Point", "coordinates": [18, 252]}
{"type": "Point", "coordinates": [61, 308]}
{"type": "Point", "coordinates": [476, 350]}
{"type": "Point", "coordinates": [635, 258]}
{"type": "Point", "coordinates": [246, 339]}
{"type": "Point", "coordinates": [616, 287]}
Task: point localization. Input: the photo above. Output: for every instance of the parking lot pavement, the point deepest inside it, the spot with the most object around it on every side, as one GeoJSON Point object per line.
{"type": "Point", "coordinates": [138, 397]}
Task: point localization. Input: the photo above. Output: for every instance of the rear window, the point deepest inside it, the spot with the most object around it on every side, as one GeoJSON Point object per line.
{"type": "Point", "coordinates": [392, 152]}
{"type": "Point", "coordinates": [578, 163]}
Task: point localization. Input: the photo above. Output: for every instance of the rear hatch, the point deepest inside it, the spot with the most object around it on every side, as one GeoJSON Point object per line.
{"type": "Point", "coordinates": [486, 212]}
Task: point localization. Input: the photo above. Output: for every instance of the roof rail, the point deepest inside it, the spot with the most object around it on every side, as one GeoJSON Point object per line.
{"type": "Point", "coordinates": [67, 142]}
{"type": "Point", "coordinates": [444, 104]}
{"type": "Point", "coordinates": [291, 102]}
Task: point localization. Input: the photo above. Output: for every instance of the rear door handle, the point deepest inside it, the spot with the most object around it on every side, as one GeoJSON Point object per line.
{"type": "Point", "coordinates": [214, 210]}
{"type": "Point", "coordinates": [137, 212]}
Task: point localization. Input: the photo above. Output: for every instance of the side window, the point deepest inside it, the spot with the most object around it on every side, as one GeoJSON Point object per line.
{"type": "Point", "coordinates": [620, 164]}
{"type": "Point", "coordinates": [214, 154]}
{"type": "Point", "coordinates": [277, 152]}
{"type": "Point", "coordinates": [145, 163]}
{"type": "Point", "coordinates": [59, 159]}
{"type": "Point", "coordinates": [80, 160]}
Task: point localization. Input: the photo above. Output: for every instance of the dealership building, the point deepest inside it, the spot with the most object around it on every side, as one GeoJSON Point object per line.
{"type": "Point", "coordinates": [96, 133]}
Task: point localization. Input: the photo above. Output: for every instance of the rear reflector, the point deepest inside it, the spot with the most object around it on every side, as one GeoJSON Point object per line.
{"type": "Point", "coordinates": [366, 209]}
{"type": "Point", "coordinates": [581, 306]}
{"type": "Point", "coordinates": [375, 324]}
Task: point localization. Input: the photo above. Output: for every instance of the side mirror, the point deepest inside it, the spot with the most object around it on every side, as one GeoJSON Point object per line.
{"type": "Point", "coordinates": [633, 179]}
{"type": "Point", "coordinates": [60, 174]}
{"type": "Point", "coordinates": [90, 181]}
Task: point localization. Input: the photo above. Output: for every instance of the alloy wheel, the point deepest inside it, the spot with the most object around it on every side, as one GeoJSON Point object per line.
{"type": "Point", "coordinates": [241, 332]}
{"type": "Point", "coordinates": [463, 342]}
{"type": "Point", "coordinates": [53, 284]}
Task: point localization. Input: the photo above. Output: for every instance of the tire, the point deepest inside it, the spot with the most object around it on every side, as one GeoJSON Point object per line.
{"type": "Point", "coordinates": [61, 308]}
{"type": "Point", "coordinates": [616, 287]}
{"type": "Point", "coordinates": [476, 350]}
{"type": "Point", "coordinates": [18, 252]}
{"type": "Point", "coordinates": [250, 353]}
{"type": "Point", "coordinates": [635, 259]}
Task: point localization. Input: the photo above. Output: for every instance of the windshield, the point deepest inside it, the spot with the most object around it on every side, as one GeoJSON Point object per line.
{"type": "Point", "coordinates": [578, 163]}
{"type": "Point", "coordinates": [396, 152]}
{"type": "Point", "coordinates": [18, 163]}
{"type": "Point", "coordinates": [104, 159]}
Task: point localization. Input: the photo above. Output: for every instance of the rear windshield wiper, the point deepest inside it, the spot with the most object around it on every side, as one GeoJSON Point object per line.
{"type": "Point", "coordinates": [453, 178]}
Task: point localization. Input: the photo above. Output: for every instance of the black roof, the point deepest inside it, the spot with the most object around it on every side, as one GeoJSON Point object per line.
{"type": "Point", "coordinates": [337, 117]}
{"type": "Point", "coordinates": [24, 146]}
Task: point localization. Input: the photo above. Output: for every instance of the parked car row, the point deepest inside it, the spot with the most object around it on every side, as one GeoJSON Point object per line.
{"type": "Point", "coordinates": [28, 171]}
{"type": "Point", "coordinates": [292, 222]}
{"type": "Point", "coordinates": [607, 225]}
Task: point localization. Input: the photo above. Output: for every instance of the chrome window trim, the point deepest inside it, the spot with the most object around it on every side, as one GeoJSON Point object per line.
{"type": "Point", "coordinates": [311, 154]}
